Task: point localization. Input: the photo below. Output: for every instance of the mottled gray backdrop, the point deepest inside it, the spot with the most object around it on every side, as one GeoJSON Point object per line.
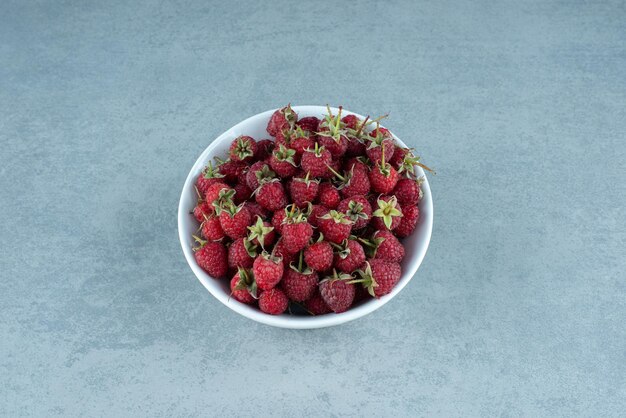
{"type": "Point", "coordinates": [519, 308]}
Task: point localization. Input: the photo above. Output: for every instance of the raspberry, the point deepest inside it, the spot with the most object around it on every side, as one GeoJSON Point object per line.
{"type": "Point", "coordinates": [277, 220]}
{"type": "Point", "coordinates": [242, 287]}
{"type": "Point", "coordinates": [387, 247]}
{"type": "Point", "coordinates": [398, 156]}
{"type": "Point", "coordinates": [353, 183]}
{"type": "Point", "coordinates": [282, 161]}
{"type": "Point", "coordinates": [335, 226]}
{"type": "Point", "coordinates": [256, 210]}
{"type": "Point", "coordinates": [208, 176]}
{"type": "Point", "coordinates": [242, 148]}
{"type": "Point", "coordinates": [211, 228]}
{"type": "Point", "coordinates": [280, 251]}
{"type": "Point", "coordinates": [303, 190]}
{"type": "Point", "coordinates": [235, 220]}
{"type": "Point", "coordinates": [383, 177]}
{"type": "Point", "coordinates": [387, 214]}
{"type": "Point", "coordinates": [296, 139]}
{"type": "Point", "coordinates": [240, 254]}
{"type": "Point", "coordinates": [315, 161]}
{"type": "Point", "coordinates": [201, 210]}
{"type": "Point", "coordinates": [380, 138]}
{"type": "Point", "coordinates": [242, 193]}
{"type": "Point", "coordinates": [349, 257]}
{"type": "Point", "coordinates": [356, 163]}
{"type": "Point", "coordinates": [319, 256]}
{"type": "Point", "coordinates": [211, 257]}
{"type": "Point", "coordinates": [267, 270]}
{"type": "Point", "coordinates": [407, 191]}
{"type": "Point", "coordinates": [309, 123]}
{"type": "Point", "coordinates": [232, 169]}
{"type": "Point", "coordinates": [271, 195]}
{"type": "Point", "coordinates": [379, 276]}
{"type": "Point", "coordinates": [317, 211]}
{"type": "Point", "coordinates": [316, 305]}
{"type": "Point", "coordinates": [296, 234]}
{"type": "Point", "coordinates": [408, 222]}
{"type": "Point", "coordinates": [263, 149]}
{"type": "Point", "coordinates": [215, 192]}
{"type": "Point", "coordinates": [284, 118]}
{"type": "Point", "coordinates": [299, 286]}
{"type": "Point", "coordinates": [331, 134]}
{"type": "Point", "coordinates": [273, 302]}
{"type": "Point", "coordinates": [257, 173]}
{"type": "Point", "coordinates": [337, 292]}
{"type": "Point", "coordinates": [329, 196]}
{"type": "Point", "coordinates": [358, 210]}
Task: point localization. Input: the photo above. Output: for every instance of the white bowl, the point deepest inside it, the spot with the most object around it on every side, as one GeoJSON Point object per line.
{"type": "Point", "coordinates": [415, 245]}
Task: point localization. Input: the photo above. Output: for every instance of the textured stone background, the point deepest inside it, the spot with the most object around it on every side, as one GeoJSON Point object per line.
{"type": "Point", "coordinates": [519, 307]}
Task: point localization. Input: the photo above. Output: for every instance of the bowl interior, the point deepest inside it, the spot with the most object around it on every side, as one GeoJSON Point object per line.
{"type": "Point", "coordinates": [415, 245]}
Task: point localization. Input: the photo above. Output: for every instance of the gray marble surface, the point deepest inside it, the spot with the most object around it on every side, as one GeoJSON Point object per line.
{"type": "Point", "coordinates": [518, 309]}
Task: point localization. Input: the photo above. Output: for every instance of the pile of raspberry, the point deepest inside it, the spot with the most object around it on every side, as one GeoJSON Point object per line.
{"type": "Point", "coordinates": [311, 220]}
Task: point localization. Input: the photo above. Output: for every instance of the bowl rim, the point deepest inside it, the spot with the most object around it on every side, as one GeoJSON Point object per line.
{"type": "Point", "coordinates": [286, 320]}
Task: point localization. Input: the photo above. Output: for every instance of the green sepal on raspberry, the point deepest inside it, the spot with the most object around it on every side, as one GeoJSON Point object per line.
{"type": "Point", "coordinates": [247, 282]}
{"type": "Point", "coordinates": [387, 211]}
{"type": "Point", "coordinates": [332, 126]}
{"type": "Point", "coordinates": [259, 231]}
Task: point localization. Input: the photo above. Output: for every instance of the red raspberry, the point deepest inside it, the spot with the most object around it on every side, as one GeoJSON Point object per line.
{"type": "Point", "coordinates": [350, 121]}
{"type": "Point", "coordinates": [242, 193]}
{"type": "Point", "coordinates": [383, 177]}
{"type": "Point", "coordinates": [358, 209]}
{"type": "Point", "coordinates": [263, 149]}
{"type": "Point", "coordinates": [235, 220]}
{"type": "Point", "coordinates": [271, 195]}
{"type": "Point", "coordinates": [256, 210]}
{"type": "Point", "coordinates": [329, 196]}
{"type": "Point", "coordinates": [296, 139]}
{"type": "Point", "coordinates": [299, 286]}
{"type": "Point", "coordinates": [296, 234]}
{"type": "Point", "coordinates": [239, 254]}
{"type": "Point", "coordinates": [337, 292]}
{"type": "Point", "coordinates": [356, 163]}
{"type": "Point", "coordinates": [267, 270]}
{"type": "Point", "coordinates": [309, 123]}
{"type": "Point", "coordinates": [316, 305]}
{"type": "Point", "coordinates": [243, 148]}
{"type": "Point", "coordinates": [282, 161]}
{"type": "Point", "coordinates": [317, 211]}
{"type": "Point", "coordinates": [408, 222]}
{"type": "Point", "coordinates": [337, 148]}
{"type": "Point", "coordinates": [349, 257]}
{"type": "Point", "coordinates": [398, 156]}
{"type": "Point", "coordinates": [303, 190]}
{"type": "Point", "coordinates": [215, 192]}
{"type": "Point", "coordinates": [378, 139]}
{"type": "Point", "coordinates": [407, 191]}
{"type": "Point", "coordinates": [273, 302]}
{"type": "Point", "coordinates": [354, 183]}
{"type": "Point", "coordinates": [202, 209]}
{"type": "Point", "coordinates": [242, 287]}
{"type": "Point", "coordinates": [387, 213]}
{"type": "Point", "coordinates": [316, 161]}
{"type": "Point", "coordinates": [257, 173]}
{"type": "Point", "coordinates": [211, 257]}
{"type": "Point", "coordinates": [281, 251]}
{"type": "Point", "coordinates": [232, 169]}
{"type": "Point", "coordinates": [331, 134]}
{"type": "Point", "coordinates": [379, 276]}
{"type": "Point", "coordinates": [388, 247]}
{"type": "Point", "coordinates": [208, 176]}
{"type": "Point", "coordinates": [211, 229]}
{"type": "Point", "coordinates": [277, 220]}
{"type": "Point", "coordinates": [335, 226]}
{"type": "Point", "coordinates": [284, 118]}
{"type": "Point", "coordinates": [261, 233]}
{"type": "Point", "coordinates": [319, 256]}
